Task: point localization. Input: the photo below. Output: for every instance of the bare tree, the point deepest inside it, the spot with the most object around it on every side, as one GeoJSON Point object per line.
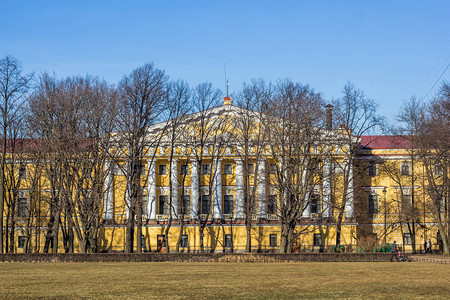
{"type": "Point", "coordinates": [207, 136]}
{"type": "Point", "coordinates": [13, 89]}
{"type": "Point", "coordinates": [356, 115]}
{"type": "Point", "coordinates": [409, 118]}
{"type": "Point", "coordinates": [143, 95]}
{"type": "Point", "coordinates": [250, 138]}
{"type": "Point", "coordinates": [433, 150]}
{"type": "Point", "coordinates": [399, 210]}
{"type": "Point", "coordinates": [294, 117]}
{"type": "Point", "coordinates": [178, 104]}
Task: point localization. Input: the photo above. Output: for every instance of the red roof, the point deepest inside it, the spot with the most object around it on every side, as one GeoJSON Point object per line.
{"type": "Point", "coordinates": [386, 141]}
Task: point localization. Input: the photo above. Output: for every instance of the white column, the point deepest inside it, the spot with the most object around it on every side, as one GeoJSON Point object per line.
{"type": "Point", "coordinates": [239, 214]}
{"type": "Point", "coordinates": [217, 198]}
{"type": "Point", "coordinates": [194, 189]}
{"type": "Point", "coordinates": [174, 184]}
{"type": "Point", "coordinates": [262, 208]}
{"type": "Point", "coordinates": [326, 188]}
{"type": "Point", "coordinates": [108, 197]}
{"type": "Point", "coordinates": [128, 200]}
{"type": "Point", "coordinates": [306, 207]}
{"type": "Point", "coordinates": [151, 190]}
{"type": "Point", "coordinates": [349, 203]}
{"type": "Point", "coordinates": [305, 187]}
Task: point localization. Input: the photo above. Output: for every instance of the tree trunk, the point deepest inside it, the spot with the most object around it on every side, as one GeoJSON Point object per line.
{"type": "Point", "coordinates": [49, 235]}
{"type": "Point", "coordinates": [284, 243]}
{"type": "Point", "coordinates": [139, 227]}
{"type": "Point", "coordinates": [339, 228]}
{"type": "Point", "coordinates": [55, 233]}
{"type": "Point", "coordinates": [202, 237]}
{"type": "Point", "coordinates": [180, 236]}
{"type": "Point", "coordinates": [130, 232]}
{"type": "Point", "coordinates": [11, 234]}
{"type": "Point", "coordinates": [2, 176]}
{"type": "Point", "coordinates": [248, 244]}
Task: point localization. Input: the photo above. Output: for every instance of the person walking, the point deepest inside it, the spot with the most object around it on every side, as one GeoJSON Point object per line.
{"type": "Point", "coordinates": [425, 246]}
{"type": "Point", "coordinates": [429, 246]}
{"type": "Point", "coordinates": [394, 251]}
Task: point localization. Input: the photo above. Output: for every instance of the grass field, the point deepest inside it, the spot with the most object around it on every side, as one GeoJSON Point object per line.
{"type": "Point", "coordinates": [224, 280]}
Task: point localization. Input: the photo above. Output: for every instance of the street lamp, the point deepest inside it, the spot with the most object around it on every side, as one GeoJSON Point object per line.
{"type": "Point", "coordinates": [385, 213]}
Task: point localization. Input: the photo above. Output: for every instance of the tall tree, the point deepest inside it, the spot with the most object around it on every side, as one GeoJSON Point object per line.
{"type": "Point", "coordinates": [250, 138]}
{"type": "Point", "coordinates": [410, 118]}
{"type": "Point", "coordinates": [13, 89]}
{"type": "Point", "coordinates": [433, 150]}
{"type": "Point", "coordinates": [178, 104]}
{"type": "Point", "coordinates": [143, 95]}
{"type": "Point", "coordinates": [355, 115]}
{"type": "Point", "coordinates": [295, 115]}
{"type": "Point", "coordinates": [207, 141]}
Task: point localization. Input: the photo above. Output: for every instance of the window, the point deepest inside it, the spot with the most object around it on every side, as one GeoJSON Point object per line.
{"type": "Point", "coordinates": [163, 205]}
{"type": "Point", "coordinates": [144, 204]}
{"type": "Point", "coordinates": [315, 168]}
{"type": "Point", "coordinates": [21, 242]}
{"type": "Point", "coordinates": [22, 172]}
{"type": "Point", "coordinates": [442, 206]}
{"type": "Point", "coordinates": [407, 239]}
{"type": "Point", "coordinates": [337, 168]}
{"type": "Point", "coordinates": [206, 204]}
{"type": "Point", "coordinates": [185, 204]}
{"type": "Point", "coordinates": [251, 168]}
{"type": "Point", "coordinates": [88, 172]}
{"type": "Point", "coordinates": [272, 169]}
{"type": "Point", "coordinates": [138, 168]}
{"type": "Point", "coordinates": [162, 169]}
{"type": "Point", "coordinates": [161, 241]}
{"type": "Point", "coordinates": [273, 240]}
{"type": "Point", "coordinates": [438, 170]}
{"type": "Point", "coordinates": [317, 239]}
{"type": "Point", "coordinates": [184, 241]}
{"type": "Point", "coordinates": [22, 207]}
{"type": "Point", "coordinates": [227, 169]}
{"type": "Point", "coordinates": [206, 169]}
{"type": "Point", "coordinates": [228, 241]}
{"type": "Point", "coordinates": [373, 203]}
{"type": "Point", "coordinates": [372, 169]}
{"type": "Point", "coordinates": [272, 204]}
{"type": "Point", "coordinates": [115, 169]}
{"type": "Point", "coordinates": [406, 203]}
{"type": "Point", "coordinates": [228, 204]}
{"type": "Point", "coordinates": [184, 169]}
{"type": "Point", "coordinates": [405, 169]}
{"type": "Point", "coordinates": [315, 204]}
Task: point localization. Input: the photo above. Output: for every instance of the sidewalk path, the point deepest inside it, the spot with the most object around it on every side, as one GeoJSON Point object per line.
{"type": "Point", "coordinates": [437, 259]}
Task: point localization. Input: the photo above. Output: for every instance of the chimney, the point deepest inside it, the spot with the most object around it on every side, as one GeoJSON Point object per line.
{"type": "Point", "coordinates": [227, 100]}
{"type": "Point", "coordinates": [329, 116]}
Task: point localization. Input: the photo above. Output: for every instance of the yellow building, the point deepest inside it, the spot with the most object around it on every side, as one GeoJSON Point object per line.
{"type": "Point", "coordinates": [206, 185]}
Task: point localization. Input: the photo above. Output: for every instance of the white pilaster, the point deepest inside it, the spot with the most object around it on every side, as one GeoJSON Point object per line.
{"type": "Point", "coordinates": [306, 207]}
{"type": "Point", "coordinates": [239, 189]}
{"type": "Point", "coordinates": [217, 198]}
{"type": "Point", "coordinates": [326, 188]}
{"type": "Point", "coordinates": [262, 207]}
{"type": "Point", "coordinates": [349, 203]}
{"type": "Point", "coordinates": [128, 200]}
{"type": "Point", "coordinates": [151, 190]}
{"type": "Point", "coordinates": [108, 198]}
{"type": "Point", "coordinates": [174, 184]}
{"type": "Point", "coordinates": [194, 189]}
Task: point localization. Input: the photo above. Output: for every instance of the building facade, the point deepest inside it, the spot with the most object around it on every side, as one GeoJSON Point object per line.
{"type": "Point", "coordinates": [213, 193]}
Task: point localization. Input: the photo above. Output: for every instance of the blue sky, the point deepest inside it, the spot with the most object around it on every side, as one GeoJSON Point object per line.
{"type": "Point", "coordinates": [389, 49]}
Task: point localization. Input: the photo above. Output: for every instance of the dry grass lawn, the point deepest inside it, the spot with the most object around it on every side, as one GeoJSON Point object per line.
{"type": "Point", "coordinates": [224, 280]}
